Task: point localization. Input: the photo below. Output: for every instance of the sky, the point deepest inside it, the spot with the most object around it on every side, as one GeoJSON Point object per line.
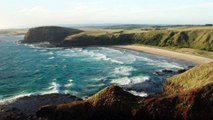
{"type": "Point", "coordinates": [31, 13]}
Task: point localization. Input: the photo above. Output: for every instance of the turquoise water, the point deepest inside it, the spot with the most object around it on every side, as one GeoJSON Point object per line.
{"type": "Point", "coordinates": [26, 70]}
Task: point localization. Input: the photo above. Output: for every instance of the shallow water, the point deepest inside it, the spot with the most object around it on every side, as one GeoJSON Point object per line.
{"type": "Point", "coordinates": [26, 70]}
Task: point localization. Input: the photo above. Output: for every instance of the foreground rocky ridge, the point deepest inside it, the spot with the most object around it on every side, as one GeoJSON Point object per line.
{"type": "Point", "coordinates": [111, 103]}
{"type": "Point", "coordinates": [197, 38]}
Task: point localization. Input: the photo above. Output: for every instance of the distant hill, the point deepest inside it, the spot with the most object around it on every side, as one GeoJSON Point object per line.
{"type": "Point", "coordinates": [180, 37]}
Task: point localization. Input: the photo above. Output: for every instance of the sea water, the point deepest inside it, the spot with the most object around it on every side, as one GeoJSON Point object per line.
{"type": "Point", "coordinates": [27, 69]}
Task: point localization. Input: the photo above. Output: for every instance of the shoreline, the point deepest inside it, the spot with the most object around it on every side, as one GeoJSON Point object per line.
{"type": "Point", "coordinates": [166, 53]}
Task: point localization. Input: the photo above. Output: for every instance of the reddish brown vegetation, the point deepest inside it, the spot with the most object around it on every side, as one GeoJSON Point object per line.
{"type": "Point", "coordinates": [114, 103]}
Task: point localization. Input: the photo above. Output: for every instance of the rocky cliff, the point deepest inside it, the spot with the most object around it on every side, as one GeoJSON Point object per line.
{"type": "Point", "coordinates": [50, 34]}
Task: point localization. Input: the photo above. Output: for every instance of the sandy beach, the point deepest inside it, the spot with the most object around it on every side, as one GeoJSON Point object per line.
{"type": "Point", "coordinates": [167, 53]}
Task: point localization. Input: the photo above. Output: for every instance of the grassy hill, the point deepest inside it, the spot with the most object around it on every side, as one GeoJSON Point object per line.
{"type": "Point", "coordinates": [179, 37]}
{"type": "Point", "coordinates": [195, 78]}
{"type": "Point", "coordinates": [192, 38]}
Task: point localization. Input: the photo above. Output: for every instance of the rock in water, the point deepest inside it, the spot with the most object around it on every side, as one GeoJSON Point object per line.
{"type": "Point", "coordinates": [50, 34]}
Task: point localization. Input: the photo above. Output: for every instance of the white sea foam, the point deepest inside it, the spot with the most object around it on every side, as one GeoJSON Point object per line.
{"type": "Point", "coordinates": [166, 65]}
{"type": "Point", "coordinates": [121, 81]}
{"type": "Point", "coordinates": [141, 94]}
{"type": "Point", "coordinates": [13, 99]}
{"type": "Point", "coordinates": [70, 80]}
{"type": "Point", "coordinates": [50, 58]}
{"type": "Point", "coordinates": [160, 63]}
{"type": "Point", "coordinates": [110, 50]}
{"type": "Point", "coordinates": [66, 91]}
{"type": "Point", "coordinates": [129, 81]}
{"type": "Point", "coordinates": [43, 50]}
{"type": "Point", "coordinates": [78, 49]}
{"type": "Point", "coordinates": [50, 53]}
{"type": "Point", "coordinates": [119, 55]}
{"type": "Point", "coordinates": [123, 70]}
{"type": "Point", "coordinates": [54, 88]}
{"type": "Point", "coordinates": [100, 56]}
{"type": "Point", "coordinates": [138, 83]}
{"type": "Point", "coordinates": [96, 85]}
{"type": "Point", "coordinates": [69, 84]}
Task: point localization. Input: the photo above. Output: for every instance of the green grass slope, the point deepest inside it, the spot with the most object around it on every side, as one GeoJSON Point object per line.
{"type": "Point", "coordinates": [195, 37]}
{"type": "Point", "coordinates": [198, 39]}
{"type": "Point", "coordinates": [194, 78]}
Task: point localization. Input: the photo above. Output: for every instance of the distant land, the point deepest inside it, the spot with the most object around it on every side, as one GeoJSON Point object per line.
{"type": "Point", "coordinates": [190, 39]}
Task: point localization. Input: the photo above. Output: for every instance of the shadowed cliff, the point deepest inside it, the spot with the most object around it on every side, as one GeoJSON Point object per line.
{"type": "Point", "coordinates": [52, 34]}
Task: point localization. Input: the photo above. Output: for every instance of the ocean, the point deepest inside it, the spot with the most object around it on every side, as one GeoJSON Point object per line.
{"type": "Point", "coordinates": [30, 70]}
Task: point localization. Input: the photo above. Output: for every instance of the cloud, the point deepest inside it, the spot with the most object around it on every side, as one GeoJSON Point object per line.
{"type": "Point", "coordinates": [100, 12]}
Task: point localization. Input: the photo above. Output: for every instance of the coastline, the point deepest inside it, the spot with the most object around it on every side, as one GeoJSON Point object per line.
{"type": "Point", "coordinates": [166, 53]}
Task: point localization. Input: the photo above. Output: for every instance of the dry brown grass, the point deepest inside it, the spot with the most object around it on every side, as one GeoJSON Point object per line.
{"type": "Point", "coordinates": [194, 78]}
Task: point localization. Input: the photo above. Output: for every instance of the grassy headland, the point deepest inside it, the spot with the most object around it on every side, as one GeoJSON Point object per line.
{"type": "Point", "coordinates": [178, 37]}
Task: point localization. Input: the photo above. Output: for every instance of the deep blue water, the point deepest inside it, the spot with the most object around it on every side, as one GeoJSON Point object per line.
{"type": "Point", "coordinates": [26, 69]}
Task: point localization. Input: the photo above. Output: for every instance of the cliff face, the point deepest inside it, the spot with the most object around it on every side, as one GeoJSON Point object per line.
{"type": "Point", "coordinates": [193, 103]}
{"type": "Point", "coordinates": [50, 34]}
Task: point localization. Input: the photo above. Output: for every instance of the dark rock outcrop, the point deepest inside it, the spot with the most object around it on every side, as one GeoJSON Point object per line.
{"type": "Point", "coordinates": [50, 34]}
{"type": "Point", "coordinates": [26, 107]}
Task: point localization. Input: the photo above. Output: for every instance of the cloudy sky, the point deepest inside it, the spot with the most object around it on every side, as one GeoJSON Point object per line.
{"type": "Point", "coordinates": [30, 13]}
